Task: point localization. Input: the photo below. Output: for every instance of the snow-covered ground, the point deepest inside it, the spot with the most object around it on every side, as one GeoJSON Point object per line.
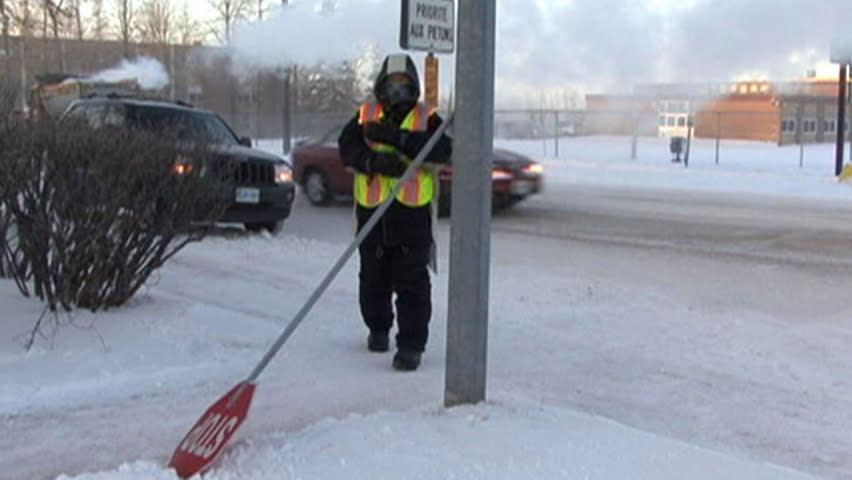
{"type": "Point", "coordinates": [113, 393]}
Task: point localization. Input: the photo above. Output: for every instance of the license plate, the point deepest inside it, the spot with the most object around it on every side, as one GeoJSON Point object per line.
{"type": "Point", "coordinates": [247, 195]}
{"type": "Point", "coordinates": [521, 187]}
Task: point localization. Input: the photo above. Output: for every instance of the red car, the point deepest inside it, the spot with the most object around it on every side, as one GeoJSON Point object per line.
{"type": "Point", "coordinates": [322, 176]}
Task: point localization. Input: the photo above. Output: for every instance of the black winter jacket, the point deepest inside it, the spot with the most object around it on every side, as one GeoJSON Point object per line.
{"type": "Point", "coordinates": [401, 225]}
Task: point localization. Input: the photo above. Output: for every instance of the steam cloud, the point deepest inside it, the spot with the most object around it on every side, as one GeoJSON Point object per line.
{"type": "Point", "coordinates": [597, 45]}
{"type": "Point", "coordinates": [311, 32]}
{"type": "Point", "coordinates": [147, 71]}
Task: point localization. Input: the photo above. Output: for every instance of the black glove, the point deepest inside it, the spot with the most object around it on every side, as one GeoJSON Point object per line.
{"type": "Point", "coordinates": [386, 164]}
{"type": "Point", "coordinates": [384, 133]}
{"type": "Point", "coordinates": [413, 143]}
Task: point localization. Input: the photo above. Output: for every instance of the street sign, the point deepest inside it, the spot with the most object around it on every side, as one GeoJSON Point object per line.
{"type": "Point", "coordinates": [428, 25]}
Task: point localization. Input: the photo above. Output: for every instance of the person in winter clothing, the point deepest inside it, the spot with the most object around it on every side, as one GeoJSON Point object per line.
{"type": "Point", "coordinates": [378, 144]}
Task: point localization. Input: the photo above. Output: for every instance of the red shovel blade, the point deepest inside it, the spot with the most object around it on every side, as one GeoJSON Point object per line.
{"type": "Point", "coordinates": [207, 438]}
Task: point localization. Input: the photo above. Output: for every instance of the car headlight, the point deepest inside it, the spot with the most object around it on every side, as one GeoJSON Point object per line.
{"type": "Point", "coordinates": [283, 174]}
{"type": "Point", "coordinates": [534, 168]}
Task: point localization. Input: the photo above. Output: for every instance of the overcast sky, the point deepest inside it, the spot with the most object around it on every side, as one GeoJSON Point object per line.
{"type": "Point", "coordinates": [594, 45]}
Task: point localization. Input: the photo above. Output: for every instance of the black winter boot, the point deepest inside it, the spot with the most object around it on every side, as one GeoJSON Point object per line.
{"type": "Point", "coordinates": [378, 342]}
{"type": "Point", "coordinates": [406, 360]}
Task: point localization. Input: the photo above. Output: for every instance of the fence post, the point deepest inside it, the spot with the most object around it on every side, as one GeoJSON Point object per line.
{"type": "Point", "coordinates": [718, 134]}
{"type": "Point", "coordinates": [688, 142]}
{"type": "Point", "coordinates": [635, 131]}
{"type": "Point", "coordinates": [556, 129]}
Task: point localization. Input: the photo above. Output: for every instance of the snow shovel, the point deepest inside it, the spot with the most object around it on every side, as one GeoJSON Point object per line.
{"type": "Point", "coordinates": [200, 448]}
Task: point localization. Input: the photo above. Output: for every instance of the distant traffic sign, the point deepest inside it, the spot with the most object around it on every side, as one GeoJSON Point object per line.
{"type": "Point", "coordinates": [428, 25]}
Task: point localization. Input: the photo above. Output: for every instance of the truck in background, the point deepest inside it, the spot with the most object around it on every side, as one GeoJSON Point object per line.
{"type": "Point", "coordinates": [54, 92]}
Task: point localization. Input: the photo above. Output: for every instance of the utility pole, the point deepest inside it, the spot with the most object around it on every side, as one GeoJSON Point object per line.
{"type": "Point", "coordinates": [8, 92]}
{"type": "Point", "coordinates": [7, 53]}
{"type": "Point", "coordinates": [286, 112]}
{"type": "Point", "coordinates": [470, 243]}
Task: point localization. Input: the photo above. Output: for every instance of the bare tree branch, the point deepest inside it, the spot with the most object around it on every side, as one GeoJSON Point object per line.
{"type": "Point", "coordinates": [98, 17]}
{"type": "Point", "coordinates": [156, 22]}
{"type": "Point", "coordinates": [188, 29]}
{"type": "Point", "coordinates": [56, 15]}
{"type": "Point", "coordinates": [126, 17]}
{"type": "Point", "coordinates": [229, 12]}
{"type": "Point", "coordinates": [75, 13]}
{"type": "Point", "coordinates": [20, 13]}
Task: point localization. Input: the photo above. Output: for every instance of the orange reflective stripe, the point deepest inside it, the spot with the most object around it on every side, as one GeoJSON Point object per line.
{"type": "Point", "coordinates": [415, 119]}
{"type": "Point", "coordinates": [374, 189]}
{"type": "Point", "coordinates": [411, 189]}
{"type": "Point", "coordinates": [418, 119]}
{"type": "Point", "coordinates": [369, 112]}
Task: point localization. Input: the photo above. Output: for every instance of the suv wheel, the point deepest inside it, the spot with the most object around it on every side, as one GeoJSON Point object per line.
{"type": "Point", "coordinates": [316, 187]}
{"type": "Point", "coordinates": [272, 227]}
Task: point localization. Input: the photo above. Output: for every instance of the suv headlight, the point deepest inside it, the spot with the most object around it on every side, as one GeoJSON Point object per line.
{"type": "Point", "coordinates": [182, 165]}
{"type": "Point", "coordinates": [283, 174]}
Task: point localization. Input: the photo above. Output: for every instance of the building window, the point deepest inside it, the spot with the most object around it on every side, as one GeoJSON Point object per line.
{"type": "Point", "coordinates": [829, 126]}
{"type": "Point", "coordinates": [673, 114]}
{"type": "Point", "coordinates": [809, 125]}
{"type": "Point", "coordinates": [788, 126]}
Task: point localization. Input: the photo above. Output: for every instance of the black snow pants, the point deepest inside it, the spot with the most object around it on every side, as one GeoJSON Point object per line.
{"type": "Point", "coordinates": [400, 270]}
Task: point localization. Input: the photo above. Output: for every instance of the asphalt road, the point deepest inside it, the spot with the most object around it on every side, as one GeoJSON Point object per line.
{"type": "Point", "coordinates": [803, 231]}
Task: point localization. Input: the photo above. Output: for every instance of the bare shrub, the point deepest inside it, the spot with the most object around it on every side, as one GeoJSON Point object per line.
{"type": "Point", "coordinates": [94, 212]}
{"type": "Point", "coordinates": [8, 118]}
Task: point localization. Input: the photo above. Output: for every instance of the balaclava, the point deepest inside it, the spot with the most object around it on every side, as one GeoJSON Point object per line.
{"type": "Point", "coordinates": [397, 86]}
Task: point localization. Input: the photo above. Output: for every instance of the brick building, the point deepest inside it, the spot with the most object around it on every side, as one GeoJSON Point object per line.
{"type": "Point", "coordinates": [785, 112]}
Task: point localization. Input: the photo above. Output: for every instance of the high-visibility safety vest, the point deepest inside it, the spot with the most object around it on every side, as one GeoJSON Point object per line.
{"type": "Point", "coordinates": [370, 190]}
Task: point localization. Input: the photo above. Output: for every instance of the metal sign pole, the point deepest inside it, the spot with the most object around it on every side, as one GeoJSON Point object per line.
{"type": "Point", "coordinates": [470, 248]}
{"type": "Point", "coordinates": [841, 121]}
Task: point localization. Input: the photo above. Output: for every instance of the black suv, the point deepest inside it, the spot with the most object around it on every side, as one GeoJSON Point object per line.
{"type": "Point", "coordinates": [261, 191]}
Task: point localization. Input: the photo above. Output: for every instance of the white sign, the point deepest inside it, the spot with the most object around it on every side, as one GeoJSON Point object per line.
{"type": "Point", "coordinates": [841, 52]}
{"type": "Point", "coordinates": [428, 25]}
